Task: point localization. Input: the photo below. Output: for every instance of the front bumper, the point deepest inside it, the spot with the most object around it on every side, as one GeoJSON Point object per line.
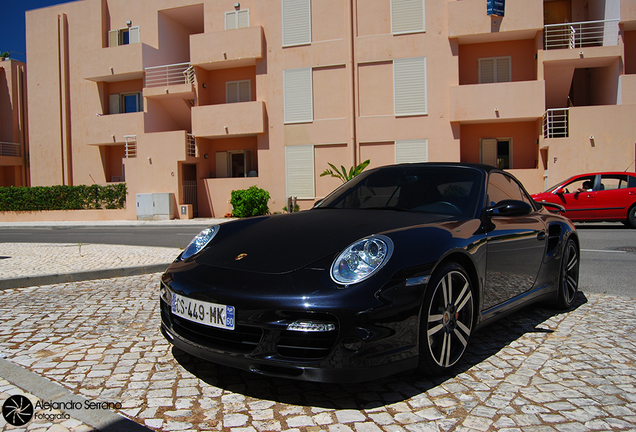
{"type": "Point", "coordinates": [374, 330]}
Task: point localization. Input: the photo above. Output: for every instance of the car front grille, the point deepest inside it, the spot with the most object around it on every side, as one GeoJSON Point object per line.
{"type": "Point", "coordinates": [306, 345]}
{"type": "Point", "coordinates": [289, 344]}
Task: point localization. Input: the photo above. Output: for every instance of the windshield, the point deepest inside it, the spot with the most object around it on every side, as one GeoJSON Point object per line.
{"type": "Point", "coordinates": [454, 191]}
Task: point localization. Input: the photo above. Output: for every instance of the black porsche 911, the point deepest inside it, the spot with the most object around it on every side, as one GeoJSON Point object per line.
{"type": "Point", "coordinates": [395, 270]}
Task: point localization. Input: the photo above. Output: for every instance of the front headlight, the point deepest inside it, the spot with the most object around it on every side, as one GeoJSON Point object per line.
{"type": "Point", "coordinates": [200, 241]}
{"type": "Point", "coordinates": [361, 260]}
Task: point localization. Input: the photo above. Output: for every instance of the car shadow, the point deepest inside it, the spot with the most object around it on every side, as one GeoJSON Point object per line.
{"type": "Point", "coordinates": [600, 225]}
{"type": "Point", "coordinates": [486, 342]}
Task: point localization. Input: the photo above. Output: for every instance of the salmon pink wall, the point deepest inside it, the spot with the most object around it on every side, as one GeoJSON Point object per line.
{"type": "Point", "coordinates": [523, 62]}
{"type": "Point", "coordinates": [524, 136]}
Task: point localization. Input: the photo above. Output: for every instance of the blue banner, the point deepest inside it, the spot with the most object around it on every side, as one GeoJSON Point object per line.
{"type": "Point", "coordinates": [495, 7]}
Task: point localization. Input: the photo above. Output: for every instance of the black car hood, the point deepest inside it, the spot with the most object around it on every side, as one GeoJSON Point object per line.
{"type": "Point", "coordinates": [284, 243]}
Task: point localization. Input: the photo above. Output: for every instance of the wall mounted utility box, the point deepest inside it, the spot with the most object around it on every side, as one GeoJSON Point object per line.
{"type": "Point", "coordinates": [155, 206]}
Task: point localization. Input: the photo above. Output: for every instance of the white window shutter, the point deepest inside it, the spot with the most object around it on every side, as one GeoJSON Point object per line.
{"type": "Point", "coordinates": [243, 18]}
{"type": "Point", "coordinates": [113, 102]}
{"type": "Point", "coordinates": [244, 91]}
{"type": "Point", "coordinates": [230, 20]}
{"type": "Point", "coordinates": [489, 151]}
{"type": "Point", "coordinates": [297, 95]}
{"type": "Point", "coordinates": [133, 35]}
{"type": "Point", "coordinates": [113, 38]}
{"type": "Point", "coordinates": [503, 69]}
{"type": "Point", "coordinates": [411, 151]}
{"type": "Point", "coordinates": [299, 171]}
{"type": "Point", "coordinates": [409, 81]}
{"type": "Point", "coordinates": [296, 22]}
{"type": "Point", "coordinates": [221, 164]}
{"type": "Point", "coordinates": [407, 16]}
{"type": "Point", "coordinates": [231, 92]}
{"type": "Point", "coordinates": [486, 70]}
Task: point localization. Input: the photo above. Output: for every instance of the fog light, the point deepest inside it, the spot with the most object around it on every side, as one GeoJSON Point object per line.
{"type": "Point", "coordinates": [308, 326]}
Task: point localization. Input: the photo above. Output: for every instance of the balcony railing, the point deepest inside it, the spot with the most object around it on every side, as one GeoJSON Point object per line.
{"type": "Point", "coordinates": [581, 34]}
{"type": "Point", "coordinates": [10, 149]}
{"type": "Point", "coordinates": [130, 146]}
{"type": "Point", "coordinates": [159, 76]}
{"type": "Point", "coordinates": [191, 145]}
{"type": "Point", "coordinates": [556, 123]}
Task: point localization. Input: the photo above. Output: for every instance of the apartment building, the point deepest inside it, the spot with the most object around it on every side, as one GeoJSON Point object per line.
{"type": "Point", "coordinates": [14, 148]}
{"type": "Point", "coordinates": [201, 97]}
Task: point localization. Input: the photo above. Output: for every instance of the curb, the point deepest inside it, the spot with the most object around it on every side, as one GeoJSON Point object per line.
{"type": "Point", "coordinates": [28, 281]}
{"type": "Point", "coordinates": [103, 420]}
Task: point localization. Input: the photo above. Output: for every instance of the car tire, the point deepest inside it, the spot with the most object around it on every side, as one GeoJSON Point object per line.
{"type": "Point", "coordinates": [447, 319]}
{"type": "Point", "coordinates": [631, 216]}
{"type": "Point", "coordinates": [569, 275]}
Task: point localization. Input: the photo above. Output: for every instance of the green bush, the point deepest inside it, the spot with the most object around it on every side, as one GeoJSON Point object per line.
{"type": "Point", "coordinates": [249, 202]}
{"type": "Point", "coordinates": [80, 197]}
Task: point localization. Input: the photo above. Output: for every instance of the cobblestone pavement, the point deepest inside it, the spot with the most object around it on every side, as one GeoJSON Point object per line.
{"type": "Point", "coordinates": [537, 371]}
{"type": "Point", "coordinates": [17, 259]}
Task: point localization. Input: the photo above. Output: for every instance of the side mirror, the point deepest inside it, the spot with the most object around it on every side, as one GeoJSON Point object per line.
{"type": "Point", "coordinates": [510, 208]}
{"type": "Point", "coordinates": [559, 191]}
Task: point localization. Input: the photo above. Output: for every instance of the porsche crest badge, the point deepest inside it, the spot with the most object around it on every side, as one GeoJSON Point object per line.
{"type": "Point", "coordinates": [240, 257]}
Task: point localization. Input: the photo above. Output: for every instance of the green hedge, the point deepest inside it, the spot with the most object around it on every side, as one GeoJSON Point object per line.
{"type": "Point", "coordinates": [80, 197]}
{"type": "Point", "coordinates": [249, 202]}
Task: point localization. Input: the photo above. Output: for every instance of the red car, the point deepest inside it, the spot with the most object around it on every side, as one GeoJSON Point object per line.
{"type": "Point", "coordinates": [608, 196]}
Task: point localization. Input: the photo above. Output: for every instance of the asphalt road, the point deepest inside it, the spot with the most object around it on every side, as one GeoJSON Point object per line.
{"type": "Point", "coordinates": [608, 250]}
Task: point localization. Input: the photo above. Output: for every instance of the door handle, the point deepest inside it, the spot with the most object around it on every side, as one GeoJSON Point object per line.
{"type": "Point", "coordinates": [541, 236]}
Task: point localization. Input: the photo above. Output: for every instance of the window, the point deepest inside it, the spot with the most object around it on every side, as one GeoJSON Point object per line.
{"type": "Point", "coordinates": [411, 151]}
{"type": "Point", "coordinates": [296, 21]}
{"type": "Point", "coordinates": [234, 163]}
{"type": "Point", "coordinates": [124, 36]}
{"type": "Point", "coordinates": [237, 19]}
{"type": "Point", "coordinates": [238, 91]}
{"type": "Point", "coordinates": [121, 103]}
{"type": "Point", "coordinates": [299, 171]}
{"type": "Point", "coordinates": [409, 84]}
{"type": "Point", "coordinates": [497, 152]}
{"type": "Point", "coordinates": [407, 16]}
{"type": "Point", "coordinates": [494, 70]}
{"type": "Point", "coordinates": [502, 187]}
{"type": "Point", "coordinates": [616, 181]}
{"type": "Point", "coordinates": [297, 95]}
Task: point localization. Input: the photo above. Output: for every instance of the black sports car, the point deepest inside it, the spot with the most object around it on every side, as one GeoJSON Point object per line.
{"type": "Point", "coordinates": [392, 271]}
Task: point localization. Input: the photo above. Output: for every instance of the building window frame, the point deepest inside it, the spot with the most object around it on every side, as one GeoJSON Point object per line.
{"type": "Point", "coordinates": [238, 91]}
{"type": "Point", "coordinates": [296, 22]}
{"type": "Point", "coordinates": [237, 19]}
{"type": "Point", "coordinates": [495, 69]}
{"type": "Point", "coordinates": [408, 16]}
{"type": "Point", "coordinates": [410, 91]}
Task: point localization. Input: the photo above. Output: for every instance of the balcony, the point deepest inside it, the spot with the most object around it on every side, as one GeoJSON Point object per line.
{"type": "Point", "coordinates": [112, 129]}
{"type": "Point", "coordinates": [228, 120]}
{"type": "Point", "coordinates": [581, 35]}
{"type": "Point", "coordinates": [169, 81]}
{"type": "Point", "coordinates": [120, 63]}
{"type": "Point", "coordinates": [628, 14]}
{"type": "Point", "coordinates": [468, 22]}
{"type": "Point", "coordinates": [483, 103]}
{"type": "Point", "coordinates": [10, 149]}
{"type": "Point", "coordinates": [227, 49]}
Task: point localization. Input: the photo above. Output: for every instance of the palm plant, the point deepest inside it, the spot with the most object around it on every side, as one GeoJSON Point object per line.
{"type": "Point", "coordinates": [342, 173]}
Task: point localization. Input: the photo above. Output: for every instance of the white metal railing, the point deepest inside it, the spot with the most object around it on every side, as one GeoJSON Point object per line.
{"type": "Point", "coordinates": [191, 145]}
{"type": "Point", "coordinates": [10, 149]}
{"type": "Point", "coordinates": [174, 74]}
{"type": "Point", "coordinates": [556, 123]}
{"type": "Point", "coordinates": [581, 34]}
{"type": "Point", "coordinates": [130, 146]}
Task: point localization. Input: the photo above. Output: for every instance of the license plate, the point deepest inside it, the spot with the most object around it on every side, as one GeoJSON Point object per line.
{"type": "Point", "coordinates": [206, 313]}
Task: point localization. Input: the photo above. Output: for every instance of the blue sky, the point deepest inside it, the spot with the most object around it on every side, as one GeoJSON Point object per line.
{"type": "Point", "coordinates": [12, 32]}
